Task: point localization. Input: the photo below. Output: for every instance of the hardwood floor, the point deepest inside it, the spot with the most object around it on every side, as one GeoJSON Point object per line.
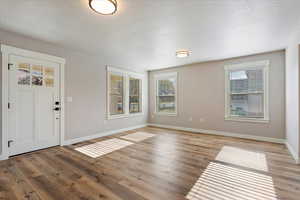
{"type": "Point", "coordinates": [164, 167]}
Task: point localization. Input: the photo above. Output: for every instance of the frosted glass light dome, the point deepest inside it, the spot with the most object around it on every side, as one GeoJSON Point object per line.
{"type": "Point", "coordinates": [104, 7]}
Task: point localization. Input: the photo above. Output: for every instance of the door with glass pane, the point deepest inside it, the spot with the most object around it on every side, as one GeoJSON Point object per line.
{"type": "Point", "coordinates": [34, 114]}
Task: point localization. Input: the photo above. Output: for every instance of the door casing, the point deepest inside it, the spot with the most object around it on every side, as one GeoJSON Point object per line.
{"type": "Point", "coordinates": [6, 52]}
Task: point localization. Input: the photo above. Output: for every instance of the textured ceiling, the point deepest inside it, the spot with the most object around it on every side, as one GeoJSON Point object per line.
{"type": "Point", "coordinates": [144, 34]}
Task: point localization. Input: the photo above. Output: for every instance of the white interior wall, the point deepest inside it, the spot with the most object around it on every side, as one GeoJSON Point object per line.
{"type": "Point", "coordinates": [1, 106]}
{"type": "Point", "coordinates": [292, 96]}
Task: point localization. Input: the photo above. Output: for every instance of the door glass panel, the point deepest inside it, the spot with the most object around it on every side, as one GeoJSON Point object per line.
{"type": "Point", "coordinates": [37, 75]}
{"type": "Point", "coordinates": [49, 82]}
{"type": "Point", "coordinates": [23, 74]}
{"type": "Point", "coordinates": [49, 77]}
{"type": "Point", "coordinates": [49, 72]}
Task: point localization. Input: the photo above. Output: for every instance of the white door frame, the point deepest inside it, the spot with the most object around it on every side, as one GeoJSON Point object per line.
{"type": "Point", "coordinates": [6, 52]}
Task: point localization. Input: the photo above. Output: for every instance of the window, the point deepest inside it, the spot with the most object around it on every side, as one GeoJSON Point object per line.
{"type": "Point", "coordinates": [116, 94]}
{"type": "Point", "coordinates": [166, 93]}
{"type": "Point", "coordinates": [35, 75]}
{"type": "Point", "coordinates": [124, 93]}
{"type": "Point", "coordinates": [246, 92]}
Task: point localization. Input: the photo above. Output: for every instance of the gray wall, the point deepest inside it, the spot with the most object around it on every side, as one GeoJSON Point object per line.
{"type": "Point", "coordinates": [85, 78]}
{"type": "Point", "coordinates": [201, 95]}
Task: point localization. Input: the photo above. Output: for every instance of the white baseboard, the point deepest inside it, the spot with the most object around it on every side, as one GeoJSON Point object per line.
{"type": "Point", "coordinates": [98, 135]}
{"type": "Point", "coordinates": [292, 152]}
{"type": "Point", "coordinates": [2, 157]}
{"type": "Point", "coordinates": [222, 133]}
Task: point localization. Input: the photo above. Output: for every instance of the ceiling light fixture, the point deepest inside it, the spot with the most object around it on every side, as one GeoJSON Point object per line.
{"type": "Point", "coordinates": [104, 7]}
{"type": "Point", "coordinates": [182, 53]}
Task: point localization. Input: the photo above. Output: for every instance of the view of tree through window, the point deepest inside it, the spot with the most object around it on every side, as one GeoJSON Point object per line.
{"type": "Point", "coordinates": [134, 95]}
{"type": "Point", "coordinates": [247, 93]}
{"type": "Point", "coordinates": [166, 95]}
{"type": "Point", "coordinates": [116, 94]}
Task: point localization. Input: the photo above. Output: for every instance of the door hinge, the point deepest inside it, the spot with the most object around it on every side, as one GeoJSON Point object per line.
{"type": "Point", "coordinates": [9, 64]}
{"type": "Point", "coordinates": [8, 105]}
{"type": "Point", "coordinates": [9, 143]}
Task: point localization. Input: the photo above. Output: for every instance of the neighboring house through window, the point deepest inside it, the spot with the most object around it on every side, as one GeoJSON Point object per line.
{"type": "Point", "coordinates": [166, 93]}
{"type": "Point", "coordinates": [246, 91]}
{"type": "Point", "coordinates": [135, 95]}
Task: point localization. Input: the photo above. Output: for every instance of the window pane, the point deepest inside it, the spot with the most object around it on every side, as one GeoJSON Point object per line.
{"type": "Point", "coordinates": [37, 75]}
{"type": "Point", "coordinates": [166, 87]}
{"type": "Point", "coordinates": [247, 105]}
{"type": "Point", "coordinates": [49, 82]}
{"type": "Point", "coordinates": [49, 76]}
{"type": "Point", "coordinates": [23, 74]}
{"type": "Point", "coordinates": [116, 94]}
{"type": "Point", "coordinates": [49, 71]}
{"type": "Point", "coordinates": [246, 81]}
{"type": "Point", "coordinates": [166, 95]}
{"type": "Point", "coordinates": [134, 95]}
{"type": "Point", "coordinates": [166, 104]}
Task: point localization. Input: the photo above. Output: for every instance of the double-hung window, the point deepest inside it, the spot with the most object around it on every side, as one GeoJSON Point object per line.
{"type": "Point", "coordinates": [246, 91]}
{"type": "Point", "coordinates": [135, 97]}
{"type": "Point", "coordinates": [166, 93]}
{"type": "Point", "coordinates": [124, 93]}
{"type": "Point", "coordinates": [116, 93]}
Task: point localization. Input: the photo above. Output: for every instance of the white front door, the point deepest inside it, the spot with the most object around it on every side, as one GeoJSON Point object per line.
{"type": "Point", "coordinates": [34, 101]}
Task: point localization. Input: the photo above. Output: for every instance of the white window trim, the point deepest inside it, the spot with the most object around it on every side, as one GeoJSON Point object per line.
{"type": "Point", "coordinates": [163, 76]}
{"type": "Point", "coordinates": [127, 75]}
{"type": "Point", "coordinates": [243, 66]}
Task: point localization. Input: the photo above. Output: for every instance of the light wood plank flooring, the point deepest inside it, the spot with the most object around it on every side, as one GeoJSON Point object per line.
{"type": "Point", "coordinates": [164, 167]}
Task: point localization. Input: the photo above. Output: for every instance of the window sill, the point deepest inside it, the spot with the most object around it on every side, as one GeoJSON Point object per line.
{"type": "Point", "coordinates": [166, 114]}
{"type": "Point", "coordinates": [263, 121]}
{"type": "Point", "coordinates": [111, 117]}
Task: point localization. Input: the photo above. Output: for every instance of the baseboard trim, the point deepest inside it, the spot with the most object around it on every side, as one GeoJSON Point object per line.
{"type": "Point", "coordinates": [99, 135]}
{"type": "Point", "coordinates": [292, 152]}
{"type": "Point", "coordinates": [221, 133]}
{"type": "Point", "coordinates": [2, 157]}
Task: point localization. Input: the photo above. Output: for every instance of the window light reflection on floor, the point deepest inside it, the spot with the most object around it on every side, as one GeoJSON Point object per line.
{"type": "Point", "coordinates": [244, 158]}
{"type": "Point", "coordinates": [137, 137]}
{"type": "Point", "coordinates": [220, 181]}
{"type": "Point", "coordinates": [104, 147]}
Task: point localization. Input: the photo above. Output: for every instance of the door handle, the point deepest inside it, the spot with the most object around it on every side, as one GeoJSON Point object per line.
{"type": "Point", "coordinates": [9, 143]}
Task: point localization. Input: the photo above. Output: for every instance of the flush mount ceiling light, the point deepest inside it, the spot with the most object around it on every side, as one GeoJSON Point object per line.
{"type": "Point", "coordinates": [182, 53]}
{"type": "Point", "coordinates": [104, 7]}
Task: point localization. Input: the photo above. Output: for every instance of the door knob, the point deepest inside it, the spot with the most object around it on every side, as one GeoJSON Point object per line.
{"type": "Point", "coordinates": [57, 109]}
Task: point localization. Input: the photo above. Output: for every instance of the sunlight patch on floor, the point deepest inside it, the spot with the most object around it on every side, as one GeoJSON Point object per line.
{"type": "Point", "coordinates": [244, 158]}
{"type": "Point", "coordinates": [220, 181]}
{"type": "Point", "coordinates": [104, 147]}
{"type": "Point", "coordinates": [137, 137]}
